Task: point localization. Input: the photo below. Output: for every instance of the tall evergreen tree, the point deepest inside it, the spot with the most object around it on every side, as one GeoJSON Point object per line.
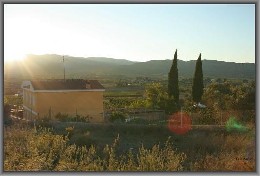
{"type": "Point", "coordinates": [197, 86]}
{"type": "Point", "coordinates": [173, 82]}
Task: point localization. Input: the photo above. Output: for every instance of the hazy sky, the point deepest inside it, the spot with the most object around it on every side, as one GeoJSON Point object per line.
{"type": "Point", "coordinates": [138, 32]}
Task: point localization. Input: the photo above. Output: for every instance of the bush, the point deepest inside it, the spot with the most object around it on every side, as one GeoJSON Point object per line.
{"type": "Point", "coordinates": [117, 117]}
{"type": "Point", "coordinates": [32, 150]}
{"type": "Point", "coordinates": [41, 150]}
{"type": "Point", "coordinates": [66, 118]}
{"type": "Point", "coordinates": [7, 119]}
{"type": "Point", "coordinates": [204, 116]}
{"type": "Point", "coordinates": [62, 117]}
{"type": "Point", "coordinates": [234, 161]}
{"type": "Point", "coordinates": [82, 140]}
{"type": "Point", "coordinates": [45, 122]}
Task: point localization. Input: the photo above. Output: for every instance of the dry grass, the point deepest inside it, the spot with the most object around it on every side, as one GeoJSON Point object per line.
{"type": "Point", "coordinates": [140, 148]}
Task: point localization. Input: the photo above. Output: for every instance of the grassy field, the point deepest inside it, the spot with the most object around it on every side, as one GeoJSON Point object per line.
{"type": "Point", "coordinates": [204, 148]}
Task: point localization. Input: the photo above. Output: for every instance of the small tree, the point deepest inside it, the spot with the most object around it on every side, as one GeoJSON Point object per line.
{"type": "Point", "coordinates": [197, 86]}
{"type": "Point", "coordinates": [155, 95]}
{"type": "Point", "coordinates": [173, 85]}
{"type": "Point", "coordinates": [7, 119]}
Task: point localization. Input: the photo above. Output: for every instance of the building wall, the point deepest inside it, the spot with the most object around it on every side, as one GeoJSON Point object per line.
{"type": "Point", "coordinates": [72, 103]}
{"type": "Point", "coordinates": [29, 105]}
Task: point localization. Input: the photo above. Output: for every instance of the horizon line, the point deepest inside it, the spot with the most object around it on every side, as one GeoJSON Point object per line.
{"type": "Point", "coordinates": [86, 57]}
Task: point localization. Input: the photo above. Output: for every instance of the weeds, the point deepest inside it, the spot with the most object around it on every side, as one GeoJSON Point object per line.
{"type": "Point", "coordinates": [87, 147]}
{"type": "Point", "coordinates": [41, 150]}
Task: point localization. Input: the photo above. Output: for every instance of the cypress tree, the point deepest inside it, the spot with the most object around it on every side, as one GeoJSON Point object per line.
{"type": "Point", "coordinates": [197, 86]}
{"type": "Point", "coordinates": [173, 85]}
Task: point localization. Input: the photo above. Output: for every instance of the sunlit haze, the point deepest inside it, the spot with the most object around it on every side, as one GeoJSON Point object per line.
{"type": "Point", "coordinates": [138, 32]}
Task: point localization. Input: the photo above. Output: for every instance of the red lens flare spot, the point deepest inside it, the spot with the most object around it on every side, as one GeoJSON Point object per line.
{"type": "Point", "coordinates": [179, 123]}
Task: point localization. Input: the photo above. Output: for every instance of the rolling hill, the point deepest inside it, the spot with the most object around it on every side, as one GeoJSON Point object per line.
{"type": "Point", "coordinates": [52, 66]}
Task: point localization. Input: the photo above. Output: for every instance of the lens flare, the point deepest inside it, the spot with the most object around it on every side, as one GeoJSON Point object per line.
{"type": "Point", "coordinates": [179, 123]}
{"type": "Point", "coordinates": [232, 124]}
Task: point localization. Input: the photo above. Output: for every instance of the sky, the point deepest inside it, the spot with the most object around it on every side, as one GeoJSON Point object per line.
{"type": "Point", "coordinates": [137, 32]}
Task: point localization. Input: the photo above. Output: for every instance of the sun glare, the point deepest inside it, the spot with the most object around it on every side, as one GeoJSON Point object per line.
{"type": "Point", "coordinates": [14, 56]}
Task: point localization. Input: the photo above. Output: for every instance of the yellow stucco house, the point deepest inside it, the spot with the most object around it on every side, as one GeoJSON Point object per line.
{"type": "Point", "coordinates": [73, 96]}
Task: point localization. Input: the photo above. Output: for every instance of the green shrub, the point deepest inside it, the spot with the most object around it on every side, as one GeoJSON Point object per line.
{"type": "Point", "coordinates": [62, 117]}
{"type": "Point", "coordinates": [117, 117]}
{"type": "Point", "coordinates": [77, 118]}
{"type": "Point", "coordinates": [83, 140]}
{"type": "Point", "coordinates": [204, 116]}
{"type": "Point", "coordinates": [44, 122]}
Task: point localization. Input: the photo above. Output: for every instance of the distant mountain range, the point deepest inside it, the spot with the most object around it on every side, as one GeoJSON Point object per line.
{"type": "Point", "coordinates": [52, 66]}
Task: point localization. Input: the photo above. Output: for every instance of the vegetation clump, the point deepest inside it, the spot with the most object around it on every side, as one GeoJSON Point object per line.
{"type": "Point", "coordinates": [41, 150]}
{"type": "Point", "coordinates": [117, 117]}
{"type": "Point", "coordinates": [66, 118]}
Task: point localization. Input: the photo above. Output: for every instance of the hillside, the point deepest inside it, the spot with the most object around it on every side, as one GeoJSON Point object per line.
{"type": "Point", "coordinates": [52, 66]}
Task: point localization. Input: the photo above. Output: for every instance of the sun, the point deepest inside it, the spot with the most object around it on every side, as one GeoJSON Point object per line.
{"type": "Point", "coordinates": [18, 38]}
{"type": "Point", "coordinates": [14, 56]}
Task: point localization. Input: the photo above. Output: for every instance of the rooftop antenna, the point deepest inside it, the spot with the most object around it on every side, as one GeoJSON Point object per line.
{"type": "Point", "coordinates": [63, 67]}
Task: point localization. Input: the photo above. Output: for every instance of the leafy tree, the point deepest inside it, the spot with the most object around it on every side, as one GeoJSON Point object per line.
{"type": "Point", "coordinates": [155, 95]}
{"type": "Point", "coordinates": [219, 96]}
{"type": "Point", "coordinates": [244, 97]}
{"type": "Point", "coordinates": [197, 86]}
{"type": "Point", "coordinates": [173, 82]}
